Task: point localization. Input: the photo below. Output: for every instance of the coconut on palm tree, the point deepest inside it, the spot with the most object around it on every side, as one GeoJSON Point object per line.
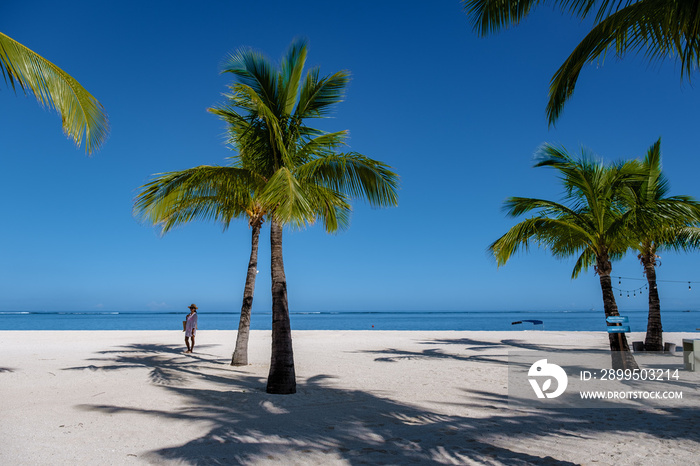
{"type": "Point", "coordinates": [82, 115]}
{"type": "Point", "coordinates": [210, 193]}
{"type": "Point", "coordinates": [659, 29]}
{"type": "Point", "coordinates": [659, 222]}
{"type": "Point", "coordinates": [591, 223]}
{"type": "Point", "coordinates": [307, 178]}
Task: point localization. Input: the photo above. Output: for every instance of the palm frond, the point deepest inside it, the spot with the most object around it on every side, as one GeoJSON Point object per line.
{"type": "Point", "coordinates": [584, 262]}
{"type": "Point", "coordinates": [202, 193]}
{"type": "Point", "coordinates": [660, 28]}
{"type": "Point", "coordinates": [318, 96]}
{"type": "Point", "coordinates": [290, 74]}
{"type": "Point", "coordinates": [550, 233]}
{"type": "Point", "coordinates": [686, 238]}
{"type": "Point", "coordinates": [356, 175]}
{"type": "Point", "coordinates": [332, 207]}
{"type": "Point", "coordinates": [82, 115]}
{"type": "Point", "coordinates": [252, 69]}
{"type": "Point", "coordinates": [285, 198]}
{"type": "Point", "coordinates": [490, 16]}
{"type": "Point", "coordinates": [517, 206]}
{"type": "Point", "coordinates": [321, 145]}
{"type": "Point", "coordinates": [656, 218]}
{"type": "Point", "coordinates": [654, 185]}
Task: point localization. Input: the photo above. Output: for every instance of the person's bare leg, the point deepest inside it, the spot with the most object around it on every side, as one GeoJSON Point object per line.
{"type": "Point", "coordinates": [187, 343]}
{"type": "Point", "coordinates": [192, 347]}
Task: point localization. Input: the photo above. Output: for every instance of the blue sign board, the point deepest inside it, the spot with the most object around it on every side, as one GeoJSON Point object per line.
{"type": "Point", "coordinates": [617, 319]}
{"type": "Point", "coordinates": [619, 329]}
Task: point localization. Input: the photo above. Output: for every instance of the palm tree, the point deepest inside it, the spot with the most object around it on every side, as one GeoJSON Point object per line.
{"type": "Point", "coordinates": [82, 115]}
{"type": "Point", "coordinates": [591, 224]}
{"type": "Point", "coordinates": [659, 222]}
{"type": "Point", "coordinates": [210, 193]}
{"type": "Point", "coordinates": [660, 28]}
{"type": "Point", "coordinates": [306, 177]}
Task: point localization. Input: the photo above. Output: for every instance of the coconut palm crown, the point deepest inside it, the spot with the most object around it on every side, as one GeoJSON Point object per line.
{"type": "Point", "coordinates": [82, 115]}
{"type": "Point", "coordinates": [659, 28]}
{"type": "Point", "coordinates": [306, 177]}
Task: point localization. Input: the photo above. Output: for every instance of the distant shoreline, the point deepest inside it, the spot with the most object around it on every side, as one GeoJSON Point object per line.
{"type": "Point", "coordinates": [673, 321]}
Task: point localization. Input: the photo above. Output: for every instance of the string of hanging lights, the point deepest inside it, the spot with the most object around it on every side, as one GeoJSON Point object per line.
{"type": "Point", "coordinates": [633, 292]}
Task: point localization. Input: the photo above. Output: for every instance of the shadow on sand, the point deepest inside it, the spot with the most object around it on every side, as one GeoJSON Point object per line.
{"type": "Point", "coordinates": [326, 424]}
{"type": "Point", "coordinates": [473, 350]}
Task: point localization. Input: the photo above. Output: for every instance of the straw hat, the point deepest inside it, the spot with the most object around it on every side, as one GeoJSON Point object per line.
{"type": "Point", "coordinates": [192, 306]}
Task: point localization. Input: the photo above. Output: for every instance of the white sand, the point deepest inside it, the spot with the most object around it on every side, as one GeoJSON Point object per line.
{"type": "Point", "coordinates": [364, 397]}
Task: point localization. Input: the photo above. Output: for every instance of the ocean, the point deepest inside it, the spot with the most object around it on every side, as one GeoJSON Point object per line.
{"type": "Point", "coordinates": [590, 320]}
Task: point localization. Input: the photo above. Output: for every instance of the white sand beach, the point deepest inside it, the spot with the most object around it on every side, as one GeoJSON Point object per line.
{"type": "Point", "coordinates": [364, 397]}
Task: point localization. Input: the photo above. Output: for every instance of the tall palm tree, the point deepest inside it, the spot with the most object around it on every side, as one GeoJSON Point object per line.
{"type": "Point", "coordinates": [82, 115]}
{"type": "Point", "coordinates": [660, 28]}
{"type": "Point", "coordinates": [307, 178]}
{"type": "Point", "coordinates": [210, 193]}
{"type": "Point", "coordinates": [591, 224]}
{"type": "Point", "coordinates": [659, 222]}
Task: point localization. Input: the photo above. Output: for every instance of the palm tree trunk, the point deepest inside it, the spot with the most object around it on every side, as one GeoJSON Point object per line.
{"type": "Point", "coordinates": [619, 348]}
{"type": "Point", "coordinates": [654, 338]}
{"type": "Point", "coordinates": [281, 379]}
{"type": "Point", "coordinates": [240, 354]}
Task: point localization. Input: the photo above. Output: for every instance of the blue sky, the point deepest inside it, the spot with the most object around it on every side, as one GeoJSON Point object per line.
{"type": "Point", "coordinates": [458, 117]}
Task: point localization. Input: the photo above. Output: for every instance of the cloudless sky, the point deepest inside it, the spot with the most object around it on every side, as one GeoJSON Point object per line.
{"type": "Point", "coordinates": [458, 116]}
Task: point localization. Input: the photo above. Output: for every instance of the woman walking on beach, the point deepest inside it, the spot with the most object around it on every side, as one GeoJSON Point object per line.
{"type": "Point", "coordinates": [190, 328]}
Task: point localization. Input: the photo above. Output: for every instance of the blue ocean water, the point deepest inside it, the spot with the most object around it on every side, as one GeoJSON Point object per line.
{"type": "Point", "coordinates": [591, 320]}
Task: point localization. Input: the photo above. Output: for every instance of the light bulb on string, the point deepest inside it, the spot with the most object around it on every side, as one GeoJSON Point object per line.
{"type": "Point", "coordinates": [688, 286]}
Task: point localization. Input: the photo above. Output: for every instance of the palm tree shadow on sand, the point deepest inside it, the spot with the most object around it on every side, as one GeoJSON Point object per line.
{"type": "Point", "coordinates": [326, 424]}
{"type": "Point", "coordinates": [472, 351]}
